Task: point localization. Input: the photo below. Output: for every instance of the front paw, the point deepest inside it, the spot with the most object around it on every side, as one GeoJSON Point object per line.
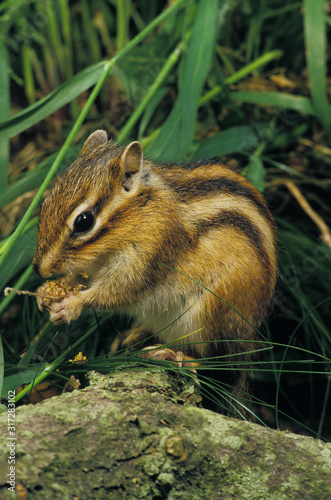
{"type": "Point", "coordinates": [66, 310]}
{"type": "Point", "coordinates": [52, 291]}
{"type": "Point", "coordinates": [61, 298]}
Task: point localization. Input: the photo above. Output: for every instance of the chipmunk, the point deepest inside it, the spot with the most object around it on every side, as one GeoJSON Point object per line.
{"type": "Point", "coordinates": [187, 250]}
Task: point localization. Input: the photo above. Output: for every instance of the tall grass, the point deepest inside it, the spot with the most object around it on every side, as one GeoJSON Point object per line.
{"type": "Point", "coordinates": [191, 80]}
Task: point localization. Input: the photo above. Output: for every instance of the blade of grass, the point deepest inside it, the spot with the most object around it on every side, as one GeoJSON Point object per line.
{"type": "Point", "coordinates": [255, 172]}
{"type": "Point", "coordinates": [53, 32]}
{"type": "Point", "coordinates": [106, 68]}
{"type": "Point", "coordinates": [324, 406]}
{"type": "Point", "coordinates": [242, 73]}
{"type": "Point", "coordinates": [30, 91]}
{"type": "Point", "coordinates": [38, 71]}
{"type": "Point", "coordinates": [255, 31]}
{"type": "Point", "coordinates": [122, 22]}
{"type": "Point", "coordinates": [58, 98]}
{"type": "Point", "coordinates": [94, 45]}
{"type": "Point", "coordinates": [315, 42]}
{"type": "Point", "coordinates": [149, 112]}
{"type": "Point", "coordinates": [4, 112]}
{"type": "Point", "coordinates": [243, 139]}
{"type": "Point", "coordinates": [229, 141]}
{"type": "Point", "coordinates": [165, 70]}
{"type": "Point", "coordinates": [176, 135]}
{"type": "Point", "coordinates": [279, 100]}
{"type": "Point", "coordinates": [285, 138]}
{"type": "Point", "coordinates": [66, 32]}
{"type": "Point", "coordinates": [102, 23]}
{"type": "Point", "coordinates": [51, 69]}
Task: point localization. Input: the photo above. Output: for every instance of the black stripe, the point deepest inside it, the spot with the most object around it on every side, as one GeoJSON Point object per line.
{"type": "Point", "coordinates": [171, 250]}
{"type": "Point", "coordinates": [239, 222]}
{"type": "Point", "coordinates": [197, 187]}
{"type": "Point", "coordinates": [204, 164]}
{"type": "Point", "coordinates": [194, 165]}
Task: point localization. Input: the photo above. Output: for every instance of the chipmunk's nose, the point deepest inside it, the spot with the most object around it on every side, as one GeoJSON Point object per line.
{"type": "Point", "coordinates": [39, 269]}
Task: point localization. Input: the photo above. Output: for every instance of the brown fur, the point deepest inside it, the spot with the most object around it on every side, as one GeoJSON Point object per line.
{"type": "Point", "coordinates": [156, 227]}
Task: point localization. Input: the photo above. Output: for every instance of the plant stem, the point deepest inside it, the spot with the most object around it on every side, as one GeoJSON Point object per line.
{"type": "Point", "coordinates": [239, 75]}
{"type": "Point", "coordinates": [170, 62]}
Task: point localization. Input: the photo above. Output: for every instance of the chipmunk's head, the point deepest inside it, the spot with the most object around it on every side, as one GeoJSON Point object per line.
{"type": "Point", "coordinates": [75, 218]}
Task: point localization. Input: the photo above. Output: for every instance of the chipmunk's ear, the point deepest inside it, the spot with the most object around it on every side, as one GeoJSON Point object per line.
{"type": "Point", "coordinates": [98, 138]}
{"type": "Point", "coordinates": [132, 161]}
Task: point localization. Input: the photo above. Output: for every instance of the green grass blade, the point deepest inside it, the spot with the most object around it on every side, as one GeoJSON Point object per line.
{"type": "Point", "coordinates": [30, 90]}
{"type": "Point", "coordinates": [122, 23]}
{"type": "Point", "coordinates": [232, 140]}
{"type": "Point", "coordinates": [165, 70]}
{"type": "Point", "coordinates": [255, 172]}
{"type": "Point", "coordinates": [66, 33]}
{"type": "Point", "coordinates": [244, 139]}
{"type": "Point", "coordinates": [315, 41]}
{"type": "Point", "coordinates": [58, 98]}
{"type": "Point", "coordinates": [177, 133]}
{"type": "Point", "coordinates": [279, 100]}
{"type": "Point", "coordinates": [92, 38]}
{"type": "Point", "coordinates": [53, 32]}
{"type": "Point", "coordinates": [236, 76]}
{"type": "Point", "coordinates": [149, 112]}
{"type": "Point", "coordinates": [4, 112]}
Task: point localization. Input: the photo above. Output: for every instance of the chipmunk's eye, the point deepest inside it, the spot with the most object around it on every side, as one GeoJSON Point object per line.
{"type": "Point", "coordinates": [84, 222]}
